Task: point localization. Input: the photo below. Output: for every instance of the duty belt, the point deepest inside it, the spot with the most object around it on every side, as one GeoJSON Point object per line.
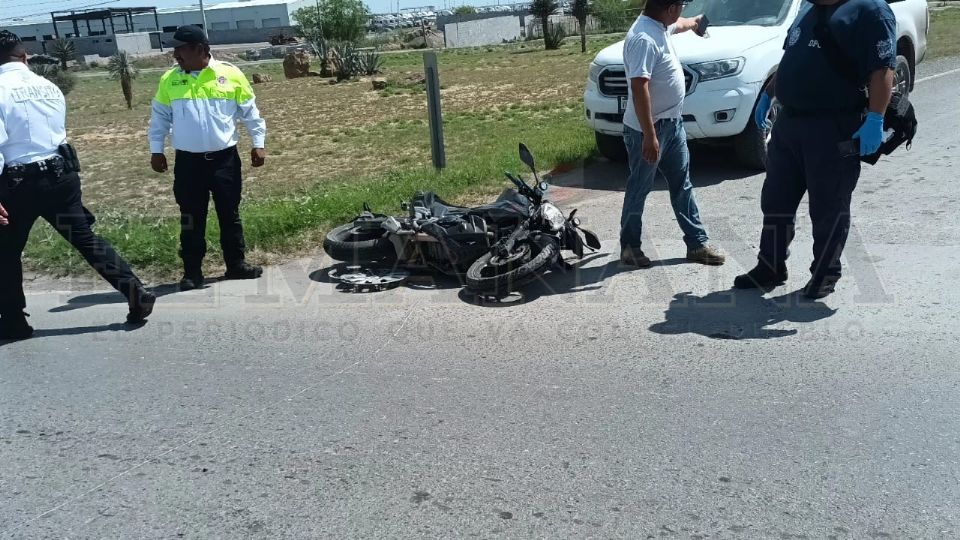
{"type": "Point", "coordinates": [13, 175]}
{"type": "Point", "coordinates": [793, 112]}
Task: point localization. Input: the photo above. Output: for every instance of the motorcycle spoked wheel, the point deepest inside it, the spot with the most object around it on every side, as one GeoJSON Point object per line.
{"type": "Point", "coordinates": [495, 276]}
{"type": "Point", "coordinates": [350, 243]}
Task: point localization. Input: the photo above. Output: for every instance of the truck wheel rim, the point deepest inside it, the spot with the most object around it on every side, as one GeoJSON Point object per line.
{"type": "Point", "coordinates": [772, 119]}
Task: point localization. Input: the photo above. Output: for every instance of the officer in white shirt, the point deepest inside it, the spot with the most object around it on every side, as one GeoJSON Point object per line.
{"type": "Point", "coordinates": [199, 103]}
{"type": "Point", "coordinates": [39, 179]}
{"type": "Point", "coordinates": [653, 131]}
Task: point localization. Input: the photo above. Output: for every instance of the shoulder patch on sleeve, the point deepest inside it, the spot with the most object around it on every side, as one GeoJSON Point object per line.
{"type": "Point", "coordinates": [886, 49]}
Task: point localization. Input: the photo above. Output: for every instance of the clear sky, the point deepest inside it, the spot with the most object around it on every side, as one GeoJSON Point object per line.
{"type": "Point", "coordinates": [39, 8]}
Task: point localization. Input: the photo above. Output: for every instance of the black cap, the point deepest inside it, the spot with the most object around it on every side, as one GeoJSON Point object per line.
{"type": "Point", "coordinates": [186, 35]}
{"type": "Point", "coordinates": [664, 3]}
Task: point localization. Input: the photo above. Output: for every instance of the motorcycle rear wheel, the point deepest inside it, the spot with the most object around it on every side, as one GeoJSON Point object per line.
{"type": "Point", "coordinates": [490, 275]}
{"type": "Point", "coordinates": [350, 243]}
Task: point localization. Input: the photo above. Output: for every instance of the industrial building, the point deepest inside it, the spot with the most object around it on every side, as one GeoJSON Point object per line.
{"type": "Point", "coordinates": [241, 21]}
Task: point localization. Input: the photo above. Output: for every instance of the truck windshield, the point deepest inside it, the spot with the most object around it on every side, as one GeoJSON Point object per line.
{"type": "Point", "coordinates": [740, 12]}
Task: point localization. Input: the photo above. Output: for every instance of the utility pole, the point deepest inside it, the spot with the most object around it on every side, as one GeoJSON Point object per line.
{"type": "Point", "coordinates": [203, 17]}
{"type": "Point", "coordinates": [433, 109]}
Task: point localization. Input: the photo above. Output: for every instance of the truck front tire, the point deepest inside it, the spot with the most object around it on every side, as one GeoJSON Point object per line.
{"type": "Point", "coordinates": [611, 147]}
{"type": "Point", "coordinates": [751, 147]}
{"type": "Point", "coordinates": [903, 77]}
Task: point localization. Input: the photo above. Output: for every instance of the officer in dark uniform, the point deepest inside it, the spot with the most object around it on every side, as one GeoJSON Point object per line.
{"type": "Point", "coordinates": [834, 51]}
{"type": "Point", "coordinates": [39, 179]}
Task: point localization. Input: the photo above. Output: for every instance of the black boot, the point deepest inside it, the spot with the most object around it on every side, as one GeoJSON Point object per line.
{"type": "Point", "coordinates": [13, 326]}
{"type": "Point", "coordinates": [192, 279]}
{"type": "Point", "coordinates": [761, 277]}
{"type": "Point", "coordinates": [820, 287]}
{"type": "Point", "coordinates": [243, 270]}
{"type": "Point", "coordinates": [141, 305]}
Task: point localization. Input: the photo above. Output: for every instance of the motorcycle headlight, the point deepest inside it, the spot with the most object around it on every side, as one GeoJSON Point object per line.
{"type": "Point", "coordinates": [719, 69]}
{"type": "Point", "coordinates": [595, 70]}
{"type": "Point", "coordinates": [553, 216]}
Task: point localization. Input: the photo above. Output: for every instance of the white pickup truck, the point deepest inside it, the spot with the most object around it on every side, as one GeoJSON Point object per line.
{"type": "Point", "coordinates": [726, 71]}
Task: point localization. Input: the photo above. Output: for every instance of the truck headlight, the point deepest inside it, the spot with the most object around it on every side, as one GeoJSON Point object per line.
{"type": "Point", "coordinates": [719, 69]}
{"type": "Point", "coordinates": [595, 70]}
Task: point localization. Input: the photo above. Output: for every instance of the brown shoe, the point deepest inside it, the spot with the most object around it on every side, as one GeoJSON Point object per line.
{"type": "Point", "coordinates": [635, 257]}
{"type": "Point", "coordinates": [706, 255]}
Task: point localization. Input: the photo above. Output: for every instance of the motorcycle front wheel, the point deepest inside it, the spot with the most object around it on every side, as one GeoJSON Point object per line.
{"type": "Point", "coordinates": [500, 276]}
{"type": "Point", "coordinates": [350, 243]}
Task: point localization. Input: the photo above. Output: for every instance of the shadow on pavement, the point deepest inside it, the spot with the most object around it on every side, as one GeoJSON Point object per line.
{"type": "Point", "coordinates": [738, 314]}
{"type": "Point", "coordinates": [556, 281]}
{"type": "Point", "coordinates": [114, 297]}
{"type": "Point", "coordinates": [79, 330]}
{"type": "Point", "coordinates": [709, 166]}
{"type": "Point", "coordinates": [579, 278]}
{"type": "Point", "coordinates": [418, 279]}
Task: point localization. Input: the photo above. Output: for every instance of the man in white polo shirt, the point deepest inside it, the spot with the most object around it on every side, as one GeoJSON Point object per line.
{"type": "Point", "coordinates": [653, 131]}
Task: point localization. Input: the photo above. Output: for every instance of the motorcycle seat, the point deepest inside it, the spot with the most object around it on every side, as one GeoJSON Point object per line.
{"type": "Point", "coordinates": [510, 206]}
{"type": "Point", "coordinates": [427, 205]}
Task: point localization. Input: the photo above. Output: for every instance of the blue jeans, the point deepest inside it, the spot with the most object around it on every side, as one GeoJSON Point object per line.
{"type": "Point", "coordinates": [674, 165]}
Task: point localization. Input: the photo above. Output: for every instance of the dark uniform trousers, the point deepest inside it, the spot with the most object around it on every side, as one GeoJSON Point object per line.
{"type": "Point", "coordinates": [55, 198]}
{"type": "Point", "coordinates": [803, 156]}
{"type": "Point", "coordinates": [196, 176]}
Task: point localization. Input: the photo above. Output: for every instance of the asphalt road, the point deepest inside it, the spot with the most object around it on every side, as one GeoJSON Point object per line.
{"type": "Point", "coordinates": [605, 403]}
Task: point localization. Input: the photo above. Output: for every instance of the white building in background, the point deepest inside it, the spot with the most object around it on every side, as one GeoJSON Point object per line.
{"type": "Point", "coordinates": [238, 15]}
{"type": "Point", "coordinates": [251, 15]}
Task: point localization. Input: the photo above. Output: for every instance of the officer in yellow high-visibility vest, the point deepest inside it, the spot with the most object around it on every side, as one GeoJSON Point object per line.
{"type": "Point", "coordinates": [200, 102]}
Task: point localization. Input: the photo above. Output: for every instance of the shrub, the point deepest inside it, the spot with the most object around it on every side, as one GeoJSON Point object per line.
{"type": "Point", "coordinates": [122, 69]}
{"type": "Point", "coordinates": [64, 51]}
{"type": "Point", "coordinates": [346, 58]}
{"type": "Point", "coordinates": [371, 62]}
{"type": "Point", "coordinates": [553, 37]}
{"type": "Point", "coordinates": [57, 75]}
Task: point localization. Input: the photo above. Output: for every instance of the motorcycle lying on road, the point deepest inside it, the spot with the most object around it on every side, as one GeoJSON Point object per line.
{"type": "Point", "coordinates": [533, 247]}
{"type": "Point", "coordinates": [435, 235]}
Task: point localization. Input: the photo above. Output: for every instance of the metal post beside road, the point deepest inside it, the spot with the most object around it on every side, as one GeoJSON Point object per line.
{"type": "Point", "coordinates": [203, 16]}
{"type": "Point", "coordinates": [433, 108]}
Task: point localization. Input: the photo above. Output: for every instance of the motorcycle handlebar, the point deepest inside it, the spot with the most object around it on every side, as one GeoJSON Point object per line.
{"type": "Point", "coordinates": [517, 182]}
{"type": "Point", "coordinates": [525, 190]}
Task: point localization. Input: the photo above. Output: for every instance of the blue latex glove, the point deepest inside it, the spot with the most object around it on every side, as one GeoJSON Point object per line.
{"type": "Point", "coordinates": [763, 109]}
{"type": "Point", "coordinates": [870, 134]}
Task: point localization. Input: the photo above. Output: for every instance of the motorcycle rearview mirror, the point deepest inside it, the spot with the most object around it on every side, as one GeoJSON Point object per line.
{"type": "Point", "coordinates": [527, 158]}
{"type": "Point", "coordinates": [591, 238]}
